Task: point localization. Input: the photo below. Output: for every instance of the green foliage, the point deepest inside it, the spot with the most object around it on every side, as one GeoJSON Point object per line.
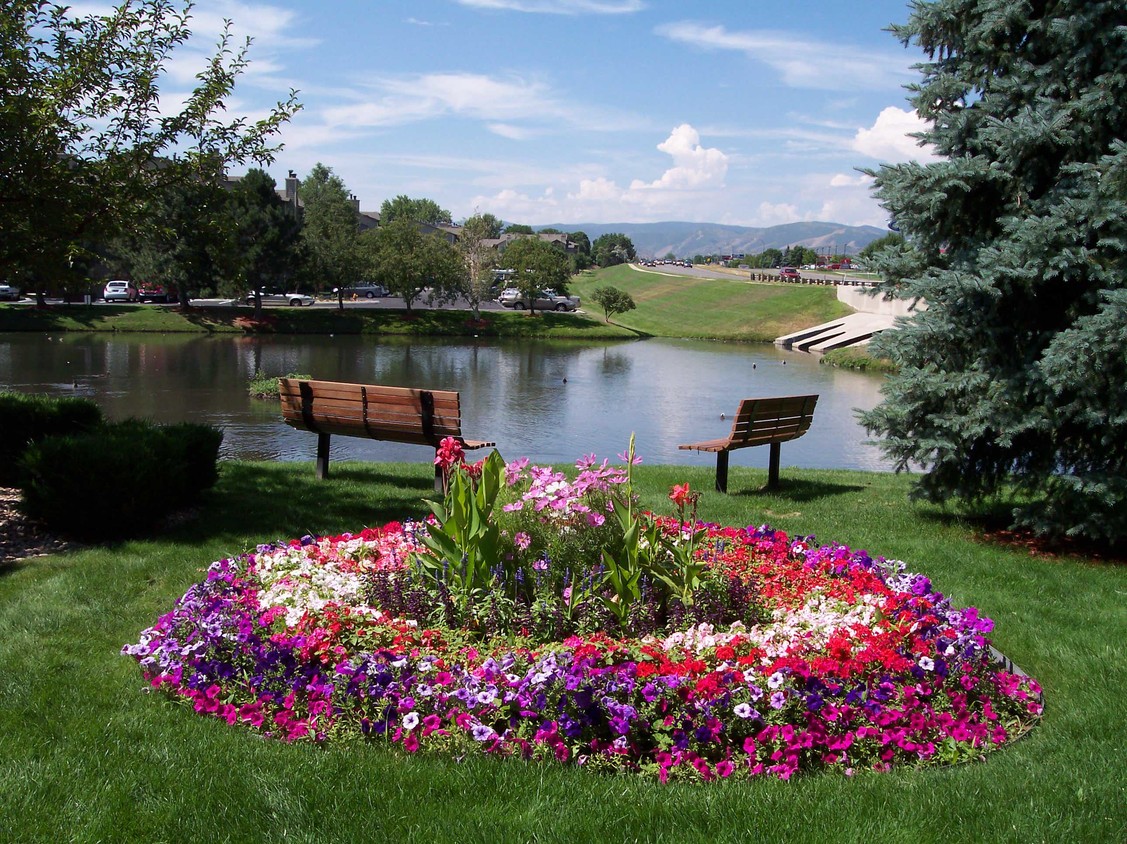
{"type": "Point", "coordinates": [119, 479]}
{"type": "Point", "coordinates": [418, 210]}
{"type": "Point", "coordinates": [466, 540]}
{"type": "Point", "coordinates": [84, 127]}
{"type": "Point", "coordinates": [538, 265]}
{"type": "Point", "coordinates": [479, 259]}
{"type": "Point", "coordinates": [890, 240]}
{"type": "Point", "coordinates": [1017, 240]}
{"type": "Point", "coordinates": [857, 357]}
{"type": "Point", "coordinates": [266, 235]}
{"type": "Point", "coordinates": [612, 248]}
{"type": "Point", "coordinates": [187, 242]}
{"type": "Point", "coordinates": [28, 418]}
{"type": "Point", "coordinates": [613, 301]}
{"type": "Point", "coordinates": [406, 260]}
{"type": "Point", "coordinates": [518, 228]}
{"type": "Point", "coordinates": [329, 231]}
{"type": "Point", "coordinates": [263, 386]}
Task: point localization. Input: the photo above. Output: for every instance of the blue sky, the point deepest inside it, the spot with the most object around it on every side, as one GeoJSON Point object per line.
{"type": "Point", "coordinates": [747, 112]}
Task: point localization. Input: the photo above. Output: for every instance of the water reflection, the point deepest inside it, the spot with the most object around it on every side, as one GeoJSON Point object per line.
{"type": "Point", "coordinates": [551, 401]}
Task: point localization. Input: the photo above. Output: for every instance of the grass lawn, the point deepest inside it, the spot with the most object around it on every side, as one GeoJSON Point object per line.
{"type": "Point", "coordinates": [722, 309]}
{"type": "Point", "coordinates": [87, 755]}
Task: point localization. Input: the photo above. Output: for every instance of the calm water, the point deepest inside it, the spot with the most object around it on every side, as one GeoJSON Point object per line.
{"type": "Point", "coordinates": [550, 401]}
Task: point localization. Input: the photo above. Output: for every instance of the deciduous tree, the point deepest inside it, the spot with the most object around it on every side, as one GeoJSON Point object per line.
{"type": "Point", "coordinates": [612, 248]}
{"type": "Point", "coordinates": [537, 265]}
{"type": "Point", "coordinates": [85, 138]}
{"type": "Point", "coordinates": [419, 210]}
{"type": "Point", "coordinates": [329, 230]}
{"type": "Point", "coordinates": [406, 261]}
{"type": "Point", "coordinates": [613, 301]}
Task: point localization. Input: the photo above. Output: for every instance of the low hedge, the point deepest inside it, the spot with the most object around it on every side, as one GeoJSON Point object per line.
{"type": "Point", "coordinates": [27, 418]}
{"type": "Point", "coordinates": [120, 479]}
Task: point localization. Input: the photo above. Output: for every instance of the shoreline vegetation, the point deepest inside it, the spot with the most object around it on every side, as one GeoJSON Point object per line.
{"type": "Point", "coordinates": [64, 619]}
{"type": "Point", "coordinates": [667, 306]}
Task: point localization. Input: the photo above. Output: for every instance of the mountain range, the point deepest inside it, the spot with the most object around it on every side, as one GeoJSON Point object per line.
{"type": "Point", "coordinates": [684, 240]}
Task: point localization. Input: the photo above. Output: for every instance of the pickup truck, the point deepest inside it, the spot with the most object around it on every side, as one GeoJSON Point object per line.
{"type": "Point", "coordinates": [547, 300]}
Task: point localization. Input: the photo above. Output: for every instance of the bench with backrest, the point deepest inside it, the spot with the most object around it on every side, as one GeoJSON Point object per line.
{"type": "Point", "coordinates": [393, 414]}
{"type": "Point", "coordinates": [769, 421]}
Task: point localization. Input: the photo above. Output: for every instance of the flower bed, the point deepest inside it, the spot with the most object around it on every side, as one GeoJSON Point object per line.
{"type": "Point", "coordinates": [762, 655]}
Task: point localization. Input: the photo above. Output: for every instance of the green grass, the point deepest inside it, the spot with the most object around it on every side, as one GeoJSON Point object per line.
{"type": "Point", "coordinates": [668, 306]}
{"type": "Point", "coordinates": [87, 755]}
{"type": "Point", "coordinates": [857, 357]}
{"type": "Point", "coordinates": [285, 320]}
{"type": "Point", "coordinates": [721, 309]}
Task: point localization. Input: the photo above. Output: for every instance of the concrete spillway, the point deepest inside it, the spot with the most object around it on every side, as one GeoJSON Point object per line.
{"type": "Point", "coordinates": [874, 314]}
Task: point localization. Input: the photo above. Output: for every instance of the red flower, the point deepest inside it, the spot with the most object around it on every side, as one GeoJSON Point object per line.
{"type": "Point", "coordinates": [449, 452]}
{"type": "Point", "coordinates": [680, 494]}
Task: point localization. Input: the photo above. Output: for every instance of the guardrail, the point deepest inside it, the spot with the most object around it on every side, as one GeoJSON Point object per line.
{"type": "Point", "coordinates": [836, 281]}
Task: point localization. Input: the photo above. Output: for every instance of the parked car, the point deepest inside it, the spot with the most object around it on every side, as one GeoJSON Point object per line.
{"type": "Point", "coordinates": [9, 293]}
{"type": "Point", "coordinates": [153, 293]}
{"type": "Point", "coordinates": [365, 291]}
{"type": "Point", "coordinates": [119, 291]}
{"type": "Point", "coordinates": [789, 273]}
{"type": "Point", "coordinates": [547, 300]}
{"type": "Point", "coordinates": [278, 297]}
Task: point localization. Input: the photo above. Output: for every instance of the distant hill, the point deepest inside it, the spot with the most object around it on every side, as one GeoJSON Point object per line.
{"type": "Point", "coordinates": [687, 239]}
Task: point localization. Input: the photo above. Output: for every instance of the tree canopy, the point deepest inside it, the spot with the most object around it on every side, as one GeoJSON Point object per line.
{"type": "Point", "coordinates": [329, 230]}
{"type": "Point", "coordinates": [1012, 379]}
{"type": "Point", "coordinates": [613, 301]}
{"type": "Point", "coordinates": [85, 137]}
{"type": "Point", "coordinates": [406, 261]}
{"type": "Point", "coordinates": [612, 248]}
{"type": "Point", "coordinates": [537, 265]}
{"type": "Point", "coordinates": [419, 210]}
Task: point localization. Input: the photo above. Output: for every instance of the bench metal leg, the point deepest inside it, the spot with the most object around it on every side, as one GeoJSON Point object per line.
{"type": "Point", "coordinates": [721, 471]}
{"type": "Point", "coordinates": [773, 468]}
{"type": "Point", "coordinates": [322, 468]}
{"type": "Point", "coordinates": [438, 485]}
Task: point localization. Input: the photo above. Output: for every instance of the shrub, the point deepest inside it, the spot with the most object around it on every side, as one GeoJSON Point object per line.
{"type": "Point", "coordinates": [263, 386]}
{"type": "Point", "coordinates": [119, 480]}
{"type": "Point", "coordinates": [27, 418]}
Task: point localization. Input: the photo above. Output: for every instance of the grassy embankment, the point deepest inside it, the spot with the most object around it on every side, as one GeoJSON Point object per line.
{"type": "Point", "coordinates": [87, 755]}
{"type": "Point", "coordinates": [668, 306]}
{"type": "Point", "coordinates": [721, 309]}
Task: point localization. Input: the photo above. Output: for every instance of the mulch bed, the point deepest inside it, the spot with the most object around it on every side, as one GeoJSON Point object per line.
{"type": "Point", "coordinates": [22, 538]}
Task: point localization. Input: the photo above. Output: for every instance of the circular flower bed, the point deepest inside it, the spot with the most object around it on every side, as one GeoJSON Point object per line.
{"type": "Point", "coordinates": [547, 618]}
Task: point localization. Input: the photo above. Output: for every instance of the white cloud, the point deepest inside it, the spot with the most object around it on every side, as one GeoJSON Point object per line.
{"type": "Point", "coordinates": [507, 130]}
{"type": "Point", "coordinates": [889, 137]}
{"type": "Point", "coordinates": [801, 63]}
{"type": "Point", "coordinates": [410, 99]}
{"type": "Point", "coordinates": [693, 167]}
{"type": "Point", "coordinates": [560, 7]}
{"type": "Point", "coordinates": [844, 180]}
{"type": "Point", "coordinates": [768, 214]}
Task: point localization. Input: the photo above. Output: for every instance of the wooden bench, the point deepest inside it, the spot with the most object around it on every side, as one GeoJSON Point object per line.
{"type": "Point", "coordinates": [393, 414]}
{"type": "Point", "coordinates": [769, 421]}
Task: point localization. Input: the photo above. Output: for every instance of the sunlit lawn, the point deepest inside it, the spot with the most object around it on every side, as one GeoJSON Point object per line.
{"type": "Point", "coordinates": [87, 755]}
{"type": "Point", "coordinates": [728, 309]}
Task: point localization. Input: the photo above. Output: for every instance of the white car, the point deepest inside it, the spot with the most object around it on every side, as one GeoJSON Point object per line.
{"type": "Point", "coordinates": [9, 293]}
{"type": "Point", "coordinates": [119, 291]}
{"type": "Point", "coordinates": [277, 297]}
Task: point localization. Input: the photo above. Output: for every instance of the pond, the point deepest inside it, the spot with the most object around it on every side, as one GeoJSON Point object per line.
{"type": "Point", "coordinates": [549, 400]}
